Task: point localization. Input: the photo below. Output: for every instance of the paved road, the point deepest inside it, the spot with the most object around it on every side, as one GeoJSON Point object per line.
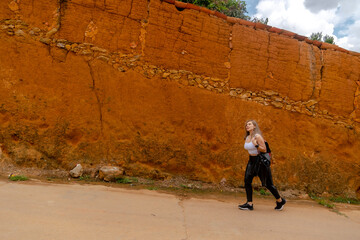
{"type": "Point", "coordinates": [43, 211]}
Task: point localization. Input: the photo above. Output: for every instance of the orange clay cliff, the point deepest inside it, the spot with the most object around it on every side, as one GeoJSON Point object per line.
{"type": "Point", "coordinates": [163, 88]}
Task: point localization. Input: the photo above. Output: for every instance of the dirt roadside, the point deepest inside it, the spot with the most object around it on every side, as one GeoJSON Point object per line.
{"type": "Point", "coordinates": [40, 210]}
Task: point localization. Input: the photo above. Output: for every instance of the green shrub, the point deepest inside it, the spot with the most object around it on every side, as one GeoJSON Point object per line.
{"type": "Point", "coordinates": [319, 37]}
{"type": "Point", "coordinates": [329, 39]}
{"type": "Point", "coordinates": [85, 177]}
{"type": "Point", "coordinates": [18, 178]}
{"type": "Point", "coordinates": [263, 192]}
{"type": "Point", "coordinates": [325, 203]}
{"type": "Point", "coordinates": [231, 8]}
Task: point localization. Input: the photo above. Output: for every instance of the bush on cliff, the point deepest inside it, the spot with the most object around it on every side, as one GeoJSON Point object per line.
{"type": "Point", "coordinates": [318, 37]}
{"type": "Point", "coordinates": [231, 8]}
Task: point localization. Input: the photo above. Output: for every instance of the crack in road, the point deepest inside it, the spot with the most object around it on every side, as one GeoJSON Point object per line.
{"type": "Point", "coordinates": [181, 204]}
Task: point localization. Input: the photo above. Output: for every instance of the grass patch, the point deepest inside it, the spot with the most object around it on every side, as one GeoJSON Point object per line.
{"type": "Point", "coordinates": [126, 180]}
{"type": "Point", "coordinates": [261, 191]}
{"type": "Point", "coordinates": [326, 203]}
{"type": "Point", "coordinates": [264, 192]}
{"type": "Point", "coordinates": [18, 178]}
{"type": "Point", "coordinates": [338, 212]}
{"type": "Point", "coordinates": [85, 178]}
{"type": "Point", "coordinates": [345, 200]}
{"type": "Point", "coordinates": [152, 188]}
{"type": "Point", "coordinates": [322, 201]}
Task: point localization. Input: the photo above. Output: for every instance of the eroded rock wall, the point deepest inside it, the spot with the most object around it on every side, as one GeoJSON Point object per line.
{"type": "Point", "coordinates": [163, 88]}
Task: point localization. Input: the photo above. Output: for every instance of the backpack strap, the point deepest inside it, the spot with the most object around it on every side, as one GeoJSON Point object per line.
{"type": "Point", "coordinates": [268, 150]}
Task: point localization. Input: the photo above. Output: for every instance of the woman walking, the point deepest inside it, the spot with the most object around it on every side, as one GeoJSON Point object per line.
{"type": "Point", "coordinates": [254, 144]}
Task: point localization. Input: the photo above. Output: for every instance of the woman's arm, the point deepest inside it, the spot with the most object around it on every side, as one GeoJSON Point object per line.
{"type": "Point", "coordinates": [260, 141]}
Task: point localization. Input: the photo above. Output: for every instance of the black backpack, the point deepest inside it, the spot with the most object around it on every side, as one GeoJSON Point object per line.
{"type": "Point", "coordinates": [268, 150]}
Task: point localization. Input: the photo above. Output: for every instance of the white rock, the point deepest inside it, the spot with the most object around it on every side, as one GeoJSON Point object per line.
{"type": "Point", "coordinates": [77, 171]}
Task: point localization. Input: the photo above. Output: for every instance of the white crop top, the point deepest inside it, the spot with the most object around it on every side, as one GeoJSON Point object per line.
{"type": "Point", "coordinates": [251, 148]}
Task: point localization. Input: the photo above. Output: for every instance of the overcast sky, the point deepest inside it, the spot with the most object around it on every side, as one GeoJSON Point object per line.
{"type": "Point", "coordinates": [339, 18]}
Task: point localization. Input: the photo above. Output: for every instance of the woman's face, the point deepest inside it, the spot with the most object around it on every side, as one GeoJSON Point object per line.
{"type": "Point", "coordinates": [250, 126]}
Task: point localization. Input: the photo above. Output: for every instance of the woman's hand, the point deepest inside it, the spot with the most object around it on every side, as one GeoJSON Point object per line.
{"type": "Point", "coordinates": [260, 141]}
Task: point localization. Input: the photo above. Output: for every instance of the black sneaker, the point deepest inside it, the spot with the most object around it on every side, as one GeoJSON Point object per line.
{"type": "Point", "coordinates": [246, 206]}
{"type": "Point", "coordinates": [280, 205]}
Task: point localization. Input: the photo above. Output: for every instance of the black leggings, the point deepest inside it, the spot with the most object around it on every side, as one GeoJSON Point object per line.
{"type": "Point", "coordinates": [250, 174]}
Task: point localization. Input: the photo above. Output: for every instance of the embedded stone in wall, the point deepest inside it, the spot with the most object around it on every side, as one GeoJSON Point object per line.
{"type": "Point", "coordinates": [270, 93]}
{"type": "Point", "coordinates": [277, 104]}
{"type": "Point", "coordinates": [245, 95]}
{"type": "Point", "coordinates": [233, 93]}
{"type": "Point", "coordinates": [45, 40]}
{"type": "Point", "coordinates": [14, 6]}
{"type": "Point", "coordinates": [311, 103]}
{"type": "Point", "coordinates": [20, 32]}
{"type": "Point", "coordinates": [91, 31]}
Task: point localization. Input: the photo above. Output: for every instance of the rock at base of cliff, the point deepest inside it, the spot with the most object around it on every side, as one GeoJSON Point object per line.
{"type": "Point", "coordinates": [110, 173]}
{"type": "Point", "coordinates": [77, 171]}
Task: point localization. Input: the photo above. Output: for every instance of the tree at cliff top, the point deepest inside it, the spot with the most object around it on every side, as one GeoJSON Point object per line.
{"type": "Point", "coordinates": [318, 37]}
{"type": "Point", "coordinates": [329, 39]}
{"type": "Point", "coordinates": [231, 8]}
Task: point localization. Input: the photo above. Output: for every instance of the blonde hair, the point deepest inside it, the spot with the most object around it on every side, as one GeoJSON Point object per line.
{"type": "Point", "coordinates": [256, 129]}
